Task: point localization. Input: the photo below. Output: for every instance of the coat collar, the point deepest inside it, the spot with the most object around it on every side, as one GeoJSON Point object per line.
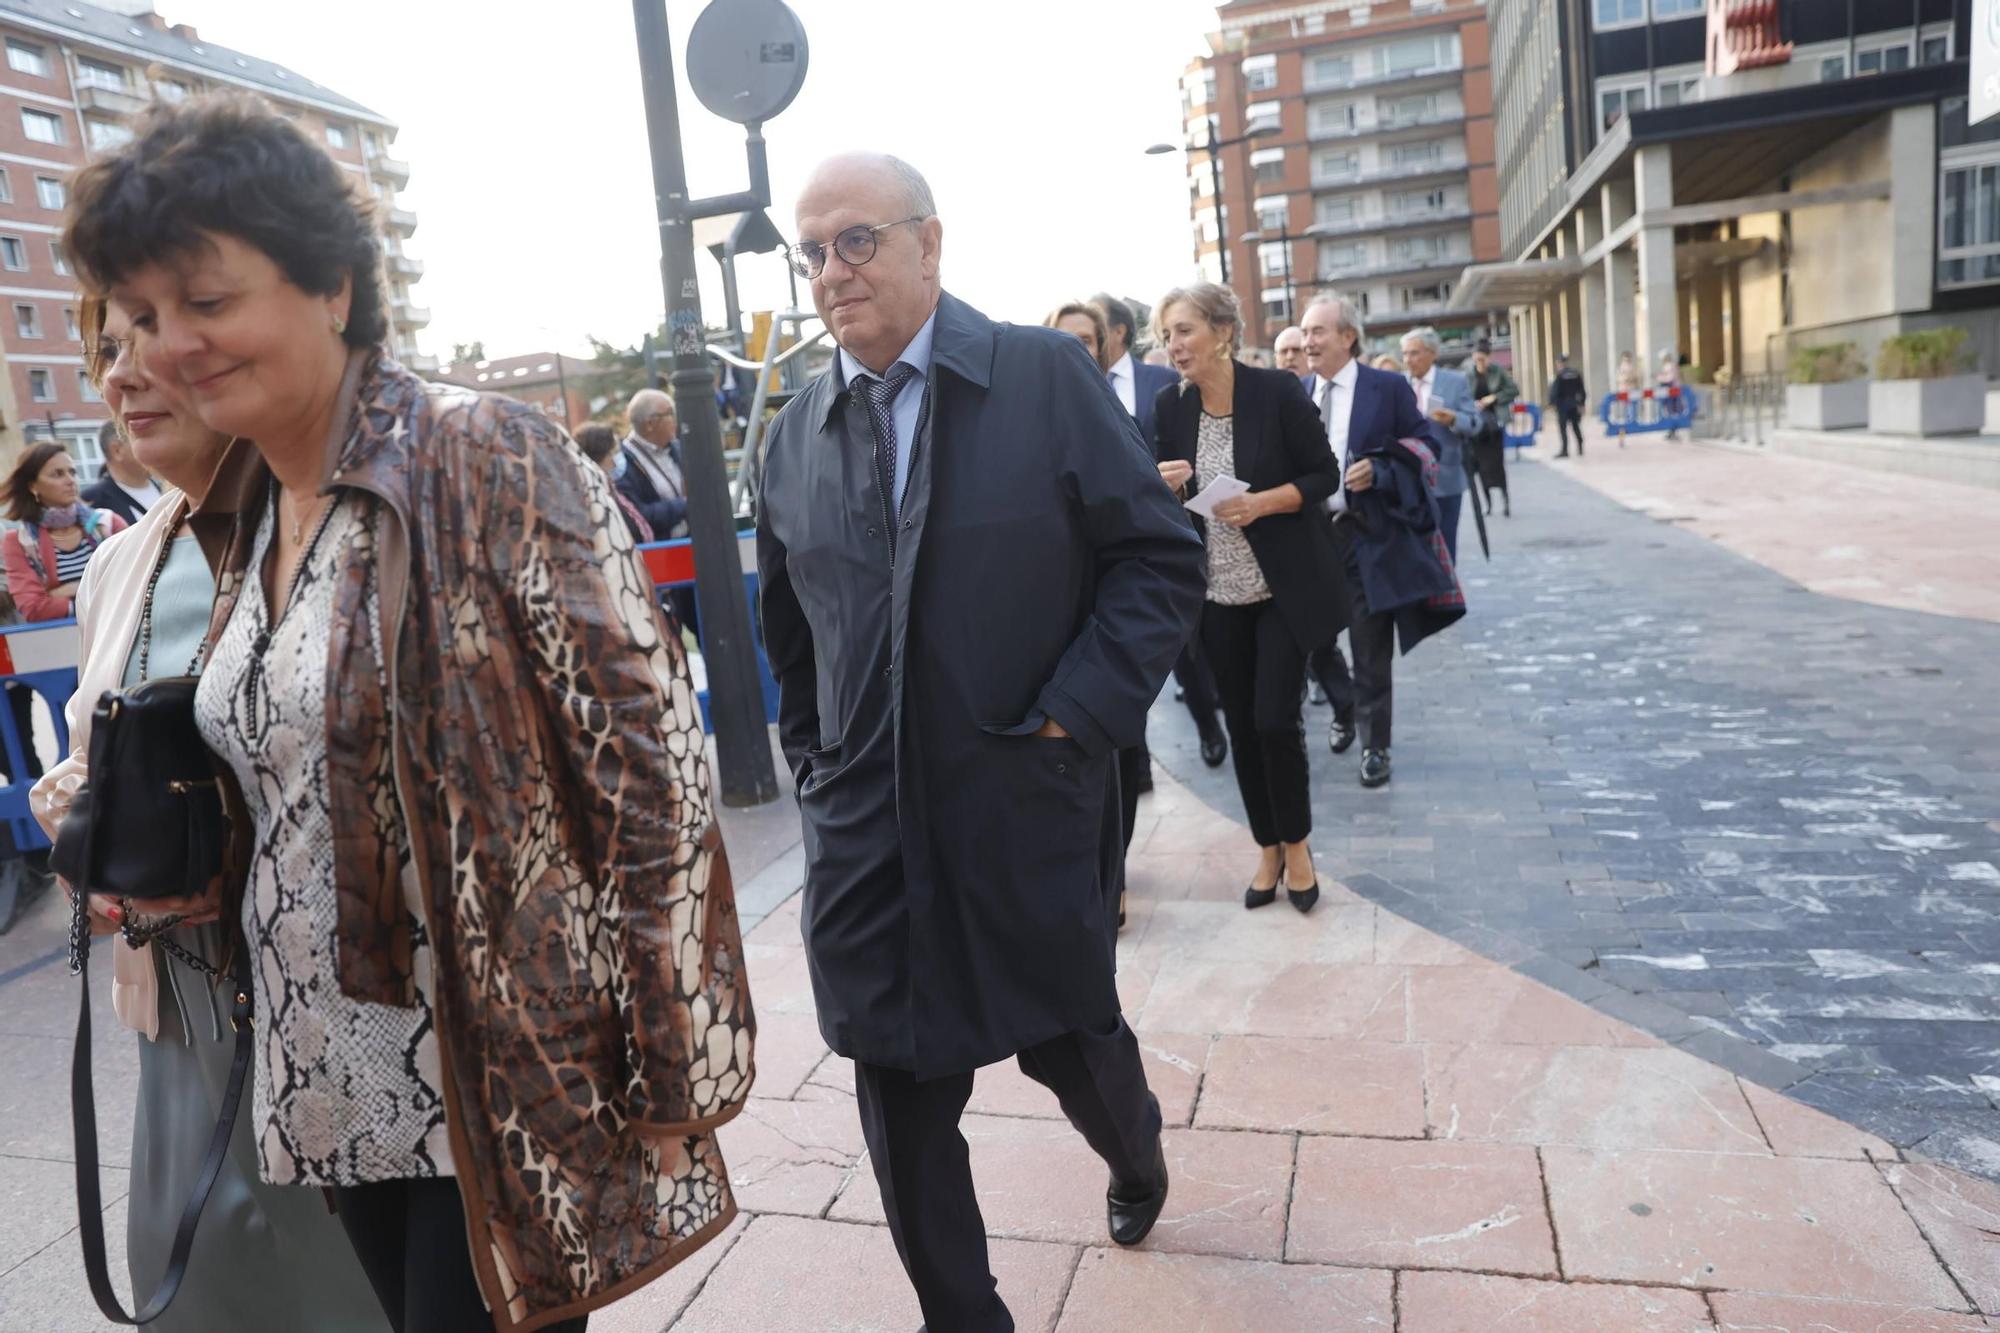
{"type": "Point", "coordinates": [961, 342]}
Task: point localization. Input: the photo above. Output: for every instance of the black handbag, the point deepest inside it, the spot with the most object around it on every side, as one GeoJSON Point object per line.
{"type": "Point", "coordinates": [150, 824]}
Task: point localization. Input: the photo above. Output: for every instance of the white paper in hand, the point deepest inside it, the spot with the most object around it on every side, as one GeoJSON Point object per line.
{"type": "Point", "coordinates": [1213, 494]}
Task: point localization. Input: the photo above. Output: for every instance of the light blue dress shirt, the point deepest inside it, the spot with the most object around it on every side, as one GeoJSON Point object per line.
{"type": "Point", "coordinates": [909, 402]}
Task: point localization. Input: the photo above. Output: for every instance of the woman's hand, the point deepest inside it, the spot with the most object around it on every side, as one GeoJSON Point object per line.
{"type": "Point", "coordinates": [1361, 475]}
{"type": "Point", "coordinates": [1241, 511]}
{"type": "Point", "coordinates": [1488, 400]}
{"type": "Point", "coordinates": [1176, 474]}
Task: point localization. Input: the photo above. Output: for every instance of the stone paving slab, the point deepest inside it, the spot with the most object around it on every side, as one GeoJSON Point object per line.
{"type": "Point", "coordinates": [1119, 1291]}
{"type": "Point", "coordinates": [1481, 1303]}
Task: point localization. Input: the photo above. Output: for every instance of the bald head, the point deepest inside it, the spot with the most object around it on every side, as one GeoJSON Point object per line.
{"type": "Point", "coordinates": [878, 287]}
{"type": "Point", "coordinates": [1290, 347]}
{"type": "Point", "coordinates": [652, 417]}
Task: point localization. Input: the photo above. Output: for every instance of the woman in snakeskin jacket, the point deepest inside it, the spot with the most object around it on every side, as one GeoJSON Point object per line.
{"type": "Point", "coordinates": [499, 981]}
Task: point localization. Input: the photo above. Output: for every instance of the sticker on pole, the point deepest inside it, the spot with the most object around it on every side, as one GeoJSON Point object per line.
{"type": "Point", "coordinates": [746, 59]}
{"type": "Point", "coordinates": [1985, 91]}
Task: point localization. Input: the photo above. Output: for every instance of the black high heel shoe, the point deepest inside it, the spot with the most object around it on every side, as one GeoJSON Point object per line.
{"type": "Point", "coordinates": [1254, 898]}
{"type": "Point", "coordinates": [1305, 898]}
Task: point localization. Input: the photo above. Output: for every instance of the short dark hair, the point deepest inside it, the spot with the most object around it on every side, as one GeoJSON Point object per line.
{"type": "Point", "coordinates": [1118, 315]}
{"type": "Point", "coordinates": [22, 506]}
{"type": "Point", "coordinates": [597, 441]}
{"type": "Point", "coordinates": [227, 163]}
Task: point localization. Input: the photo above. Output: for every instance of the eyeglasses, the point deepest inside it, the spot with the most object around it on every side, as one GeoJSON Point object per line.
{"type": "Point", "coordinates": [855, 246]}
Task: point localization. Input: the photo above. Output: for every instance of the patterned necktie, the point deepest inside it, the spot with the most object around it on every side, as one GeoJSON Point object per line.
{"type": "Point", "coordinates": [880, 395]}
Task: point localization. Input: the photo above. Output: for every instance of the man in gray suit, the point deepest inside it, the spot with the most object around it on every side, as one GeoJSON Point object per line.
{"type": "Point", "coordinates": [1445, 397]}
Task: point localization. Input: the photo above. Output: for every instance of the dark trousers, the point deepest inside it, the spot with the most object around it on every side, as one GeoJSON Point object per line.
{"type": "Point", "coordinates": [1371, 636]}
{"type": "Point", "coordinates": [1197, 684]}
{"type": "Point", "coordinates": [1261, 675]}
{"type": "Point", "coordinates": [1329, 667]}
{"type": "Point", "coordinates": [925, 1170]}
{"type": "Point", "coordinates": [410, 1238]}
{"type": "Point", "coordinates": [1565, 423]}
{"type": "Point", "coordinates": [1448, 511]}
{"type": "Point", "coordinates": [1133, 761]}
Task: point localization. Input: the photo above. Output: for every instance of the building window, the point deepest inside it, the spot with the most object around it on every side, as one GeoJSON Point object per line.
{"type": "Point", "coordinates": [1426, 295]}
{"type": "Point", "coordinates": [1325, 70]}
{"type": "Point", "coordinates": [1335, 260]}
{"type": "Point", "coordinates": [1414, 156]}
{"type": "Point", "coordinates": [1969, 224]}
{"type": "Point", "coordinates": [1410, 110]}
{"type": "Point", "coordinates": [1416, 54]}
{"type": "Point", "coordinates": [97, 74]}
{"type": "Point", "coordinates": [41, 385]}
{"type": "Point", "coordinates": [50, 192]}
{"type": "Point", "coordinates": [27, 320]}
{"type": "Point", "coordinates": [1677, 9]}
{"type": "Point", "coordinates": [336, 136]}
{"type": "Point", "coordinates": [6, 187]}
{"type": "Point", "coordinates": [1832, 69]}
{"type": "Point", "coordinates": [1260, 74]}
{"type": "Point", "coordinates": [1616, 103]}
{"type": "Point", "coordinates": [1271, 258]}
{"type": "Point", "coordinates": [171, 90]}
{"type": "Point", "coordinates": [1333, 118]}
{"type": "Point", "coordinates": [87, 390]}
{"type": "Point", "coordinates": [1883, 59]}
{"type": "Point", "coordinates": [1934, 48]}
{"type": "Point", "coordinates": [106, 135]}
{"type": "Point", "coordinates": [70, 325]}
{"type": "Point", "coordinates": [1417, 203]}
{"type": "Point", "coordinates": [1339, 166]}
{"type": "Point", "coordinates": [56, 256]}
{"type": "Point", "coordinates": [1273, 216]}
{"type": "Point", "coordinates": [1676, 90]}
{"type": "Point", "coordinates": [1336, 212]}
{"type": "Point", "coordinates": [13, 254]}
{"type": "Point", "coordinates": [40, 126]}
{"type": "Point", "coordinates": [26, 58]}
{"type": "Point", "coordinates": [1270, 171]}
{"type": "Point", "coordinates": [1618, 13]}
{"type": "Point", "coordinates": [1257, 113]}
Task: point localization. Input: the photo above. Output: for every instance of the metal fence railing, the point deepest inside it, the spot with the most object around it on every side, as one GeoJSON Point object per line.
{"type": "Point", "coordinates": [1746, 410]}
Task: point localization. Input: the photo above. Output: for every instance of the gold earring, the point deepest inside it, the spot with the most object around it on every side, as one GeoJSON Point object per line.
{"type": "Point", "coordinates": [339, 324]}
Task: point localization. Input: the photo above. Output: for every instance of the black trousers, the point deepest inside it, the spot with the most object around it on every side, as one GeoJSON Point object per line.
{"type": "Point", "coordinates": [410, 1238]}
{"type": "Point", "coordinates": [925, 1170]}
{"type": "Point", "coordinates": [1567, 422]}
{"type": "Point", "coordinates": [1329, 667]}
{"type": "Point", "coordinates": [1261, 675]}
{"type": "Point", "coordinates": [1371, 635]}
{"type": "Point", "coordinates": [1197, 684]}
{"type": "Point", "coordinates": [1133, 761]}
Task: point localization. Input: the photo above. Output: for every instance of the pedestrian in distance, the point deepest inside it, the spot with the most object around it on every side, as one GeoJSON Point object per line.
{"type": "Point", "coordinates": [1388, 361]}
{"type": "Point", "coordinates": [1667, 389]}
{"type": "Point", "coordinates": [1495, 391]}
{"type": "Point", "coordinates": [125, 487]}
{"type": "Point", "coordinates": [974, 583]}
{"type": "Point", "coordinates": [1270, 562]}
{"type": "Point", "coordinates": [263, 1253]}
{"type": "Point", "coordinates": [1392, 560]}
{"type": "Point", "coordinates": [1326, 668]}
{"type": "Point", "coordinates": [55, 533]}
{"type": "Point", "coordinates": [1567, 398]}
{"type": "Point", "coordinates": [429, 653]}
{"type": "Point", "coordinates": [1083, 322]}
{"type": "Point", "coordinates": [1289, 347]}
{"type": "Point", "coordinates": [1444, 399]}
{"type": "Point", "coordinates": [600, 445]}
{"type": "Point", "coordinates": [1138, 388]}
{"type": "Point", "coordinates": [650, 476]}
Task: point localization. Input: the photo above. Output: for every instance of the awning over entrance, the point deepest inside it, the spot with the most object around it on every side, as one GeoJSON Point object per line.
{"type": "Point", "coordinates": [1517, 283]}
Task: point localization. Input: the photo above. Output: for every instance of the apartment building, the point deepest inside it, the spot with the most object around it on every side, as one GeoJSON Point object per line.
{"type": "Point", "coordinates": [1356, 154]}
{"type": "Point", "coordinates": [1722, 181]}
{"type": "Point", "coordinates": [76, 75]}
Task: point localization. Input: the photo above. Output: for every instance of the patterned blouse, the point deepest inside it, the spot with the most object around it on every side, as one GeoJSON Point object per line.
{"type": "Point", "coordinates": [348, 1093]}
{"type": "Point", "coordinates": [1234, 576]}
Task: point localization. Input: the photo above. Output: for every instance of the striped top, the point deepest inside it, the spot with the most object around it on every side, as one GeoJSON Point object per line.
{"type": "Point", "coordinates": [69, 564]}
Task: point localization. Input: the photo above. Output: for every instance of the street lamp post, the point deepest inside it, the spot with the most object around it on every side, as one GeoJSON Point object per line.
{"type": "Point", "coordinates": [1285, 237]}
{"type": "Point", "coordinates": [1213, 146]}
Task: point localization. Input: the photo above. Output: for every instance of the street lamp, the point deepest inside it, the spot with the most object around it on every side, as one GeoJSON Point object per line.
{"type": "Point", "coordinates": [1263, 129]}
{"type": "Point", "coordinates": [1285, 237]}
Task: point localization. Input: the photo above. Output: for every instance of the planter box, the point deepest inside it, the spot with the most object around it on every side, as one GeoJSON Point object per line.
{"type": "Point", "coordinates": [1951, 406]}
{"type": "Point", "coordinates": [1826, 406]}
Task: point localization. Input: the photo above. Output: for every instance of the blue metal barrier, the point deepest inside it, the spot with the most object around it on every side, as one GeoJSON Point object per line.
{"type": "Point", "coordinates": [55, 684]}
{"type": "Point", "coordinates": [672, 566]}
{"type": "Point", "coordinates": [1648, 410]}
{"type": "Point", "coordinates": [1524, 423]}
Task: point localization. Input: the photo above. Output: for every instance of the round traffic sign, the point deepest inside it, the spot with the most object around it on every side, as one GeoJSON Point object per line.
{"type": "Point", "coordinates": [746, 59]}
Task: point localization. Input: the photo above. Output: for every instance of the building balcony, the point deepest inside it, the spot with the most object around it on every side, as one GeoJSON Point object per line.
{"type": "Point", "coordinates": [405, 267]}
{"type": "Point", "coordinates": [422, 363]}
{"type": "Point", "coordinates": [114, 104]}
{"type": "Point", "coordinates": [1397, 221]}
{"type": "Point", "coordinates": [1390, 268]}
{"type": "Point", "coordinates": [1373, 80]}
{"type": "Point", "coordinates": [402, 221]}
{"type": "Point", "coordinates": [409, 316]}
{"type": "Point", "coordinates": [1449, 116]}
{"type": "Point", "coordinates": [1448, 166]}
{"type": "Point", "coordinates": [391, 169]}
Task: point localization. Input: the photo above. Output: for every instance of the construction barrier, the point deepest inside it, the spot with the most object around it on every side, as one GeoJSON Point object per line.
{"type": "Point", "coordinates": [1643, 411]}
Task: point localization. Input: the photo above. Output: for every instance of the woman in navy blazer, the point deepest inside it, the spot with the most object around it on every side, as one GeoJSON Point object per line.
{"type": "Point", "coordinates": [1271, 564]}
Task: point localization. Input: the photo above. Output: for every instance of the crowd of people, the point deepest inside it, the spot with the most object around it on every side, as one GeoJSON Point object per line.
{"type": "Point", "coordinates": [475, 895]}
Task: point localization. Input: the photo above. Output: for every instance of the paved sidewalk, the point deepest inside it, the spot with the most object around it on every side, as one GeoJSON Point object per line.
{"type": "Point", "coordinates": [1371, 1127]}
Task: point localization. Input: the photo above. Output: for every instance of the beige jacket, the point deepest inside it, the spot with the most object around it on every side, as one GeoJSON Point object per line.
{"type": "Point", "coordinates": [108, 603]}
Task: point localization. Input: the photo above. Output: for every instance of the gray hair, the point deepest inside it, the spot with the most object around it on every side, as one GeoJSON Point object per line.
{"type": "Point", "coordinates": [646, 404]}
{"type": "Point", "coordinates": [1347, 317]}
{"type": "Point", "coordinates": [1426, 335]}
{"type": "Point", "coordinates": [918, 201]}
{"type": "Point", "coordinates": [1212, 301]}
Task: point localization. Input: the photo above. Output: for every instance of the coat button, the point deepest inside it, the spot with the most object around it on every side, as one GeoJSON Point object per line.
{"type": "Point", "coordinates": [871, 532]}
{"type": "Point", "coordinates": [1062, 768]}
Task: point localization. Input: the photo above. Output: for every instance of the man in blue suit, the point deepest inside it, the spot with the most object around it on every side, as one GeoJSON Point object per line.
{"type": "Point", "coordinates": [1445, 398]}
{"type": "Point", "coordinates": [1366, 411]}
{"type": "Point", "coordinates": [1138, 387]}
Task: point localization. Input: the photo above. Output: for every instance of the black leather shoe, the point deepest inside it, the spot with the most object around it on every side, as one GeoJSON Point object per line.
{"type": "Point", "coordinates": [1303, 899]}
{"type": "Point", "coordinates": [1315, 695]}
{"type": "Point", "coordinates": [1131, 1215]}
{"type": "Point", "coordinates": [1340, 738]}
{"type": "Point", "coordinates": [1254, 898]}
{"type": "Point", "coordinates": [1374, 768]}
{"type": "Point", "coordinates": [1214, 748]}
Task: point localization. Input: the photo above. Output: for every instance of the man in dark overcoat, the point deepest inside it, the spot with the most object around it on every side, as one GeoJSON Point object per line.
{"type": "Point", "coordinates": [974, 584]}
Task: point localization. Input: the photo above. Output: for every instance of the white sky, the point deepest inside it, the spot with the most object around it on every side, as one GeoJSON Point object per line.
{"type": "Point", "coordinates": [523, 127]}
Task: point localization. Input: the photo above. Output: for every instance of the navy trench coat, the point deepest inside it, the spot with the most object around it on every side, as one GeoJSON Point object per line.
{"type": "Point", "coordinates": [960, 872]}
